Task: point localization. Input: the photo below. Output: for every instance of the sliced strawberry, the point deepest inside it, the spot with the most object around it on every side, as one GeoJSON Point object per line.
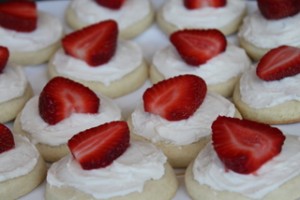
{"type": "Point", "coordinates": [278, 9]}
{"type": "Point", "coordinates": [99, 146]}
{"type": "Point", "coordinates": [244, 146]}
{"type": "Point", "coordinates": [18, 15]}
{"type": "Point", "coordinates": [4, 54]}
{"type": "Point", "coordinates": [198, 46]}
{"type": "Point", "coordinates": [61, 97]}
{"type": "Point", "coordinates": [115, 4]}
{"type": "Point", "coordinates": [195, 4]}
{"type": "Point", "coordinates": [95, 44]}
{"type": "Point", "coordinates": [279, 63]}
{"type": "Point", "coordinates": [176, 98]}
{"type": "Point", "coordinates": [6, 139]}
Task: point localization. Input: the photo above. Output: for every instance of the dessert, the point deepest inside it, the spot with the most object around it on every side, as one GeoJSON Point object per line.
{"type": "Point", "coordinates": [15, 89]}
{"type": "Point", "coordinates": [176, 115]}
{"type": "Point", "coordinates": [272, 25]}
{"type": "Point", "coordinates": [258, 162]}
{"type": "Point", "coordinates": [224, 15]}
{"type": "Point", "coordinates": [268, 92]}
{"type": "Point", "coordinates": [137, 171]}
{"type": "Point", "coordinates": [115, 70]}
{"type": "Point", "coordinates": [31, 36]}
{"type": "Point", "coordinates": [133, 16]}
{"type": "Point", "coordinates": [22, 168]}
{"type": "Point", "coordinates": [202, 52]}
{"type": "Point", "coordinates": [63, 108]}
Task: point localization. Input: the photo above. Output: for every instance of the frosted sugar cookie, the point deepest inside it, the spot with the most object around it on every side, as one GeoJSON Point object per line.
{"type": "Point", "coordinates": [106, 164]}
{"type": "Point", "coordinates": [22, 168]}
{"type": "Point", "coordinates": [114, 71]}
{"type": "Point", "coordinates": [176, 115]}
{"type": "Point", "coordinates": [63, 108]}
{"type": "Point", "coordinates": [133, 16]}
{"type": "Point", "coordinates": [30, 35]}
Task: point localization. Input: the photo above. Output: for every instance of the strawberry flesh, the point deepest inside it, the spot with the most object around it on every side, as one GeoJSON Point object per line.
{"type": "Point", "coordinates": [278, 63]}
{"type": "Point", "coordinates": [278, 9]}
{"type": "Point", "coordinates": [6, 139]}
{"type": "Point", "coordinates": [195, 4]}
{"type": "Point", "coordinates": [61, 97]}
{"type": "Point", "coordinates": [196, 47]}
{"type": "Point", "coordinates": [176, 98]}
{"type": "Point", "coordinates": [115, 4]}
{"type": "Point", "coordinates": [4, 54]}
{"type": "Point", "coordinates": [95, 44]}
{"type": "Point", "coordinates": [19, 15]}
{"type": "Point", "coordinates": [99, 146]}
{"type": "Point", "coordinates": [243, 145]}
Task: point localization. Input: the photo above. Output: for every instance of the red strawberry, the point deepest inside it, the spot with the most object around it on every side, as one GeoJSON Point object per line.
{"type": "Point", "coordinates": [100, 146]}
{"type": "Point", "coordinates": [61, 97]}
{"type": "Point", "coordinates": [112, 4]}
{"type": "Point", "coordinates": [95, 44]}
{"type": "Point", "coordinates": [4, 54]}
{"type": "Point", "coordinates": [18, 15]}
{"type": "Point", "coordinates": [198, 46]}
{"type": "Point", "coordinates": [176, 98]}
{"type": "Point", "coordinates": [194, 4]}
{"type": "Point", "coordinates": [6, 139]}
{"type": "Point", "coordinates": [279, 63]}
{"type": "Point", "coordinates": [243, 145]}
{"type": "Point", "coordinates": [278, 9]}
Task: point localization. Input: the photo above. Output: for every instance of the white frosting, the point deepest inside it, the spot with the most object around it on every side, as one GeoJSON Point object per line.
{"type": "Point", "coordinates": [13, 82]}
{"type": "Point", "coordinates": [132, 11]}
{"type": "Point", "coordinates": [49, 30]}
{"type": "Point", "coordinates": [209, 170]}
{"type": "Point", "coordinates": [127, 58]}
{"type": "Point", "coordinates": [182, 132]}
{"type": "Point", "coordinates": [141, 162]}
{"type": "Point", "coordinates": [266, 33]}
{"type": "Point", "coordinates": [18, 161]}
{"type": "Point", "coordinates": [60, 133]}
{"type": "Point", "coordinates": [175, 13]}
{"type": "Point", "coordinates": [221, 68]}
{"type": "Point", "coordinates": [258, 93]}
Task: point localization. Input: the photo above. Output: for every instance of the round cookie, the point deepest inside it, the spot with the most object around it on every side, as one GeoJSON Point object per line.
{"type": "Point", "coordinates": [221, 72]}
{"type": "Point", "coordinates": [154, 189]}
{"type": "Point", "coordinates": [47, 130]}
{"type": "Point", "coordinates": [23, 171]}
{"type": "Point", "coordinates": [36, 47]}
{"type": "Point", "coordinates": [140, 172]}
{"type": "Point", "coordinates": [78, 15]}
{"type": "Point", "coordinates": [203, 18]}
{"type": "Point", "coordinates": [208, 178]}
{"type": "Point", "coordinates": [284, 113]}
{"type": "Point", "coordinates": [181, 139]}
{"type": "Point", "coordinates": [257, 35]}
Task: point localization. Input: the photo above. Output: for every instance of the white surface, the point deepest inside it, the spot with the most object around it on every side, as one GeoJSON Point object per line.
{"type": "Point", "coordinates": [150, 41]}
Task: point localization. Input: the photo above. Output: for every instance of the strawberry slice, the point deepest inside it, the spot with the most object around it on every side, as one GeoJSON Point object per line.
{"type": "Point", "coordinates": [115, 4]}
{"type": "Point", "coordinates": [278, 9]}
{"type": "Point", "coordinates": [243, 145]}
{"type": "Point", "coordinates": [198, 46]}
{"type": "Point", "coordinates": [195, 4]}
{"type": "Point", "coordinates": [4, 54]}
{"type": "Point", "coordinates": [278, 63]}
{"type": "Point", "coordinates": [99, 146]}
{"type": "Point", "coordinates": [6, 139]}
{"type": "Point", "coordinates": [94, 44]}
{"type": "Point", "coordinates": [18, 15]}
{"type": "Point", "coordinates": [61, 97]}
{"type": "Point", "coordinates": [176, 98]}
